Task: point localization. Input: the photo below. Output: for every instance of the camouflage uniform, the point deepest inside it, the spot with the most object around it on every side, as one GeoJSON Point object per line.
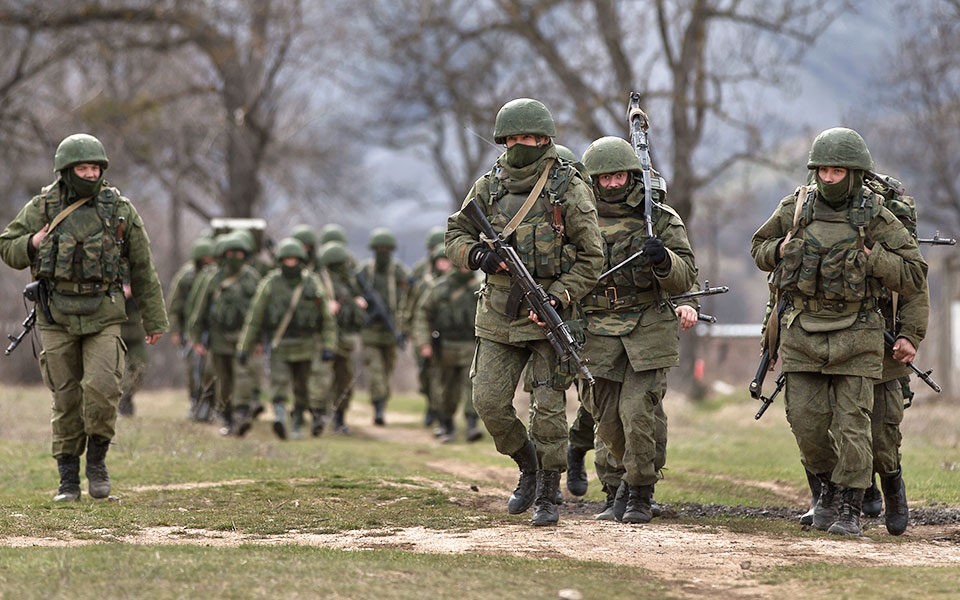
{"type": "Point", "coordinates": [309, 331]}
{"type": "Point", "coordinates": [632, 329]}
{"type": "Point", "coordinates": [132, 333]}
{"type": "Point", "coordinates": [444, 322]}
{"type": "Point", "coordinates": [223, 294]}
{"type": "Point", "coordinates": [559, 242]}
{"type": "Point", "coordinates": [389, 278]}
{"type": "Point", "coordinates": [831, 333]}
{"type": "Point", "coordinates": [340, 284]}
{"type": "Point", "coordinates": [82, 262]}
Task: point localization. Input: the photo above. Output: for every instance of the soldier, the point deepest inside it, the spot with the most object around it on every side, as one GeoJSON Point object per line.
{"type": "Point", "coordinates": [201, 255]}
{"type": "Point", "coordinates": [79, 236]}
{"type": "Point", "coordinates": [223, 296]}
{"type": "Point", "coordinates": [631, 326]}
{"type": "Point", "coordinates": [308, 237]}
{"type": "Point", "coordinates": [443, 334]}
{"type": "Point", "coordinates": [320, 371]}
{"type": "Point", "coordinates": [833, 248]}
{"type": "Point", "coordinates": [290, 308]}
{"type": "Point", "coordinates": [135, 365]}
{"type": "Point", "coordinates": [553, 226]}
{"type": "Point", "coordinates": [347, 304]}
{"type": "Point", "coordinates": [422, 278]}
{"type": "Point", "coordinates": [388, 279]}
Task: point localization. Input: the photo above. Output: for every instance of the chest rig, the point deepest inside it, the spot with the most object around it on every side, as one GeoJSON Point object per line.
{"type": "Point", "coordinates": [83, 254]}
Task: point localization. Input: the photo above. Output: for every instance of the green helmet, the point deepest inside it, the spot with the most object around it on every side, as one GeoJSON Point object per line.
{"type": "Point", "coordinates": [80, 148]}
{"type": "Point", "coordinates": [382, 237]}
{"type": "Point", "coordinates": [523, 116]}
{"type": "Point", "coordinates": [230, 241]}
{"type": "Point", "coordinates": [439, 251]}
{"type": "Point", "coordinates": [202, 247]}
{"type": "Point", "coordinates": [610, 154]}
{"type": "Point", "coordinates": [291, 247]}
{"type": "Point", "coordinates": [840, 147]}
{"type": "Point", "coordinates": [249, 238]}
{"type": "Point", "coordinates": [306, 235]}
{"type": "Point", "coordinates": [435, 236]}
{"type": "Point", "coordinates": [332, 253]}
{"type": "Point", "coordinates": [566, 153]}
{"type": "Point", "coordinates": [331, 232]}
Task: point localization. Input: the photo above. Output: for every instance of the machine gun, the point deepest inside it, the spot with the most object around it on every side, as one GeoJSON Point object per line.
{"type": "Point", "coordinates": [377, 309]}
{"type": "Point", "coordinates": [557, 331]}
{"type": "Point", "coordinates": [35, 292]}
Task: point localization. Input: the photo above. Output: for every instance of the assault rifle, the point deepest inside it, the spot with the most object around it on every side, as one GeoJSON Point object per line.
{"type": "Point", "coordinates": [771, 349]}
{"type": "Point", "coordinates": [377, 309]}
{"type": "Point", "coordinates": [557, 331]}
{"type": "Point", "coordinates": [936, 240]}
{"type": "Point", "coordinates": [768, 400]}
{"type": "Point", "coordinates": [35, 292]}
{"type": "Point", "coordinates": [889, 340]}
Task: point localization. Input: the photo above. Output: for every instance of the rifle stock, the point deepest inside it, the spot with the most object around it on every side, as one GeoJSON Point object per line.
{"type": "Point", "coordinates": [557, 331]}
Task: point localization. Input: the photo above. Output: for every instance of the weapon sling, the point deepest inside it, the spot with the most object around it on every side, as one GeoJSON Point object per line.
{"type": "Point", "coordinates": [288, 316]}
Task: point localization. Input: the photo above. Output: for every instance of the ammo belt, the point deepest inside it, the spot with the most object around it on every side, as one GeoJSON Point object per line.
{"type": "Point", "coordinates": [614, 297]}
{"type": "Point", "coordinates": [83, 289]}
{"type": "Point", "coordinates": [841, 307]}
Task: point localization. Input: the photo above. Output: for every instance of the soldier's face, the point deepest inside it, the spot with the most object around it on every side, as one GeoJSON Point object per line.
{"type": "Point", "coordinates": [290, 261]}
{"type": "Point", "coordinates": [88, 171]}
{"type": "Point", "coordinates": [831, 174]}
{"type": "Point", "coordinates": [613, 180]}
{"type": "Point", "coordinates": [526, 139]}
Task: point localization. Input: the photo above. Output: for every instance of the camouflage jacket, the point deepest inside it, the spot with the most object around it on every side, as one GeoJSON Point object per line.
{"type": "Point", "coordinates": [445, 318]}
{"type": "Point", "coordinates": [311, 328]}
{"type": "Point", "coordinates": [834, 335]}
{"type": "Point", "coordinates": [558, 241]}
{"type": "Point", "coordinates": [84, 260]}
{"type": "Point", "coordinates": [629, 313]}
{"type": "Point", "coordinates": [177, 310]}
{"type": "Point", "coordinates": [220, 302]}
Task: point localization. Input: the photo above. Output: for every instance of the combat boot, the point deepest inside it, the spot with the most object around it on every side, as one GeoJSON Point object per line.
{"type": "Point", "coordinates": [655, 509]}
{"type": "Point", "coordinates": [522, 498]}
{"type": "Point", "coordinates": [474, 432]}
{"type": "Point", "coordinates": [241, 421]}
{"type": "Point", "coordinates": [319, 421]}
{"type": "Point", "coordinates": [448, 435]}
{"type": "Point", "coordinates": [429, 417]}
{"type": "Point", "coordinates": [814, 484]}
{"type": "Point", "coordinates": [848, 519]}
{"type": "Point", "coordinates": [379, 405]}
{"type": "Point", "coordinates": [296, 423]}
{"type": "Point", "coordinates": [69, 468]}
{"type": "Point", "coordinates": [872, 500]}
{"type": "Point", "coordinates": [98, 480]}
{"type": "Point", "coordinates": [895, 497]}
{"type": "Point", "coordinates": [638, 509]}
{"type": "Point", "coordinates": [827, 508]}
{"type": "Point", "coordinates": [545, 508]}
{"type": "Point", "coordinates": [280, 420]}
{"type": "Point", "coordinates": [576, 471]}
{"type": "Point", "coordinates": [226, 417]}
{"type": "Point", "coordinates": [339, 423]}
{"type": "Point", "coordinates": [616, 503]}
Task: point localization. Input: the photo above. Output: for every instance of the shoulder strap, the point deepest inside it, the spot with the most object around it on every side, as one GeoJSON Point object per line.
{"type": "Point", "coordinates": [63, 214]}
{"type": "Point", "coordinates": [528, 203]}
{"type": "Point", "coordinates": [288, 316]}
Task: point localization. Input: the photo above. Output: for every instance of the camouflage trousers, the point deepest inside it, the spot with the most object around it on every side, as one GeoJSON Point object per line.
{"type": "Point", "coordinates": [830, 418]}
{"type": "Point", "coordinates": [626, 423]}
{"type": "Point", "coordinates": [429, 378]}
{"type": "Point", "coordinates": [321, 378]}
{"type": "Point", "coordinates": [380, 362]}
{"type": "Point", "coordinates": [290, 376]}
{"type": "Point", "coordinates": [885, 422]}
{"type": "Point", "coordinates": [234, 384]}
{"type": "Point", "coordinates": [136, 367]}
{"type": "Point", "coordinates": [84, 374]}
{"type": "Point", "coordinates": [496, 370]}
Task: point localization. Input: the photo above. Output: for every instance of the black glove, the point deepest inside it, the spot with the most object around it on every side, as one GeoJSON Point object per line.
{"type": "Point", "coordinates": [242, 359]}
{"type": "Point", "coordinates": [654, 250]}
{"type": "Point", "coordinates": [485, 259]}
{"type": "Point", "coordinates": [556, 303]}
{"type": "Point", "coordinates": [327, 355]}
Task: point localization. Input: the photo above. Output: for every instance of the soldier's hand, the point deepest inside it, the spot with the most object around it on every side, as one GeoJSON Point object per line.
{"type": "Point", "coordinates": [786, 239]}
{"type": "Point", "coordinates": [486, 260]}
{"type": "Point", "coordinates": [334, 307]}
{"type": "Point", "coordinates": [654, 249]}
{"type": "Point", "coordinates": [200, 349]}
{"type": "Point", "coordinates": [361, 302]}
{"type": "Point", "coordinates": [38, 236]}
{"type": "Point", "coordinates": [687, 315]}
{"type": "Point", "coordinates": [555, 302]}
{"type": "Point", "coordinates": [904, 351]}
{"type": "Point", "coordinates": [426, 351]}
{"type": "Point", "coordinates": [153, 338]}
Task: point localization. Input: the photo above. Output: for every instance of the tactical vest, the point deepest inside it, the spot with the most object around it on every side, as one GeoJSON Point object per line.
{"type": "Point", "coordinates": [231, 298]}
{"type": "Point", "coordinates": [83, 255]}
{"type": "Point", "coordinates": [624, 232]}
{"type": "Point", "coordinates": [307, 317]}
{"type": "Point", "coordinates": [369, 269]}
{"type": "Point", "coordinates": [539, 240]}
{"type": "Point", "coordinates": [824, 263]}
{"type": "Point", "coordinates": [456, 313]}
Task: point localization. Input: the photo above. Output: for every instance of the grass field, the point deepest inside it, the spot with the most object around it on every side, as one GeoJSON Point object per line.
{"type": "Point", "coordinates": [390, 513]}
